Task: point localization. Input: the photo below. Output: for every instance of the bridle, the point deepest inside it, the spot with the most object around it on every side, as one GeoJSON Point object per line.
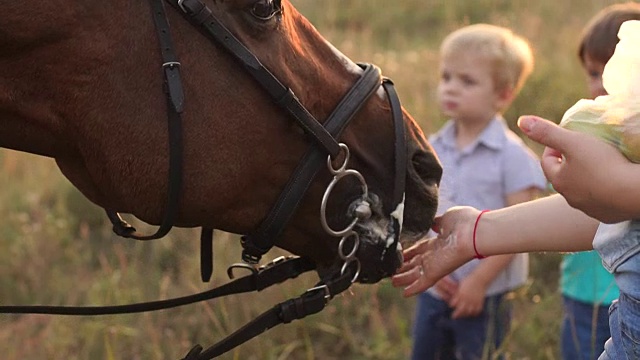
{"type": "Point", "coordinates": [259, 242]}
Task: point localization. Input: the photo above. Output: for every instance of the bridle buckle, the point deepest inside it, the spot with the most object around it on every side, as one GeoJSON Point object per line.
{"type": "Point", "coordinates": [327, 292]}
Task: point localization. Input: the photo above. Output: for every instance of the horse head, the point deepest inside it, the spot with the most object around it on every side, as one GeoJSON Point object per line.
{"type": "Point", "coordinates": [321, 75]}
{"type": "Point", "coordinates": [85, 86]}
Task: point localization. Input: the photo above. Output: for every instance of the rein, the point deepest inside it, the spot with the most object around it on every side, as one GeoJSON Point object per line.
{"type": "Point", "coordinates": [263, 239]}
{"type": "Point", "coordinates": [281, 269]}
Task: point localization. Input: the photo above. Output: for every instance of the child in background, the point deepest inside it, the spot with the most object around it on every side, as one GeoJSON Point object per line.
{"type": "Point", "coordinates": [485, 165]}
{"type": "Point", "coordinates": [588, 289]}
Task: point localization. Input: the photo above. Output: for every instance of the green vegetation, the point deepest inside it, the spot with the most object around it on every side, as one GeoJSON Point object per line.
{"type": "Point", "coordinates": [57, 247]}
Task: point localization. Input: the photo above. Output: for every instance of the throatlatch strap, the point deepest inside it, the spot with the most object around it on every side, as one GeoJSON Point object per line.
{"type": "Point", "coordinates": [175, 105]}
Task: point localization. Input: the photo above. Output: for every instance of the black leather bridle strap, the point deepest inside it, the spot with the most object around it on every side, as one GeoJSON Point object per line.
{"type": "Point", "coordinates": [259, 280]}
{"type": "Point", "coordinates": [262, 240]}
{"type": "Point", "coordinates": [311, 302]}
{"type": "Point", "coordinates": [400, 160]}
{"type": "Point", "coordinates": [400, 145]}
{"type": "Point", "coordinates": [199, 14]}
{"type": "Point", "coordinates": [175, 105]}
{"type": "Point", "coordinates": [206, 253]}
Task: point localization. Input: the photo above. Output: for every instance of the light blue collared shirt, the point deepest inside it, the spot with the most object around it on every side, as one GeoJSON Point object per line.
{"type": "Point", "coordinates": [496, 164]}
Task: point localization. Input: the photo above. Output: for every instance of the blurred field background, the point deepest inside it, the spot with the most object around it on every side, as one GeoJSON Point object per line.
{"type": "Point", "coordinates": [57, 248]}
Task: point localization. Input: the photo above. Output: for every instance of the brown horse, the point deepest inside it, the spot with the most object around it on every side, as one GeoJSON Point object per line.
{"type": "Point", "coordinates": [82, 82]}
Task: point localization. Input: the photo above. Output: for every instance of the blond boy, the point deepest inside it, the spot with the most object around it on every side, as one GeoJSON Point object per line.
{"type": "Point", "coordinates": [487, 166]}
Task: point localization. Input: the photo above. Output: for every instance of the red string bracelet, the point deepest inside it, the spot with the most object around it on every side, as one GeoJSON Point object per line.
{"type": "Point", "coordinates": [475, 228]}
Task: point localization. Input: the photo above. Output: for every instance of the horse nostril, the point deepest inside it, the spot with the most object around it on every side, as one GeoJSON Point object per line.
{"type": "Point", "coordinates": [427, 167]}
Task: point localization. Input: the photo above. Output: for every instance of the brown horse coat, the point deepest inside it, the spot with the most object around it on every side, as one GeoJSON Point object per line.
{"type": "Point", "coordinates": [82, 82]}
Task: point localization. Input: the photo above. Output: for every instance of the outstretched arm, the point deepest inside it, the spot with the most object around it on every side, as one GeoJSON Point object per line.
{"type": "Point", "coordinates": [547, 224]}
{"type": "Point", "coordinates": [468, 299]}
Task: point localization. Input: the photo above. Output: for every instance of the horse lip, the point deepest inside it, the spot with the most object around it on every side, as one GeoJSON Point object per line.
{"type": "Point", "coordinates": [377, 256]}
{"type": "Point", "coordinates": [407, 239]}
{"type": "Point", "coordinates": [389, 263]}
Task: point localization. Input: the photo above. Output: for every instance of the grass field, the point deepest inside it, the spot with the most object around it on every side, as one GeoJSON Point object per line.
{"type": "Point", "coordinates": [58, 249]}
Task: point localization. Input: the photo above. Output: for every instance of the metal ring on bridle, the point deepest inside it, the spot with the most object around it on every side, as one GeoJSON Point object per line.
{"type": "Point", "coordinates": [181, 5]}
{"type": "Point", "coordinates": [346, 265]}
{"type": "Point", "coordinates": [354, 249]}
{"type": "Point", "coordinates": [347, 232]}
{"type": "Point", "coordinates": [325, 199]}
{"type": "Point", "coordinates": [342, 167]}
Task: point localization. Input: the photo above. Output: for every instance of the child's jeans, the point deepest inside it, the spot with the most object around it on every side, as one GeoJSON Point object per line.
{"type": "Point", "coordinates": [437, 336]}
{"type": "Point", "coordinates": [623, 258]}
{"type": "Point", "coordinates": [585, 328]}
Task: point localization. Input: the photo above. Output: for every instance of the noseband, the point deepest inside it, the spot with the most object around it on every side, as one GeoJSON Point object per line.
{"type": "Point", "coordinates": [259, 242]}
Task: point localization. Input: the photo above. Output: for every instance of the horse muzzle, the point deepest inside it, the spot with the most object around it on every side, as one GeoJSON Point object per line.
{"type": "Point", "coordinates": [379, 253]}
{"type": "Point", "coordinates": [377, 261]}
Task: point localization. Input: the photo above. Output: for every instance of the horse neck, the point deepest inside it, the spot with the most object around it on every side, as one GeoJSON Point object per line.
{"type": "Point", "coordinates": [51, 51]}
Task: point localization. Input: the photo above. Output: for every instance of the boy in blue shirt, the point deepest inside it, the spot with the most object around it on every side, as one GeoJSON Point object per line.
{"type": "Point", "coordinates": [465, 315]}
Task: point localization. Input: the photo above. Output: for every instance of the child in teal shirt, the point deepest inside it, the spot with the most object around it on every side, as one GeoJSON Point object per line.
{"type": "Point", "coordinates": [588, 289]}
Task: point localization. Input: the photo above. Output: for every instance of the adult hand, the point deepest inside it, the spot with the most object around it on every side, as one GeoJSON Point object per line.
{"type": "Point", "coordinates": [582, 168]}
{"type": "Point", "coordinates": [431, 259]}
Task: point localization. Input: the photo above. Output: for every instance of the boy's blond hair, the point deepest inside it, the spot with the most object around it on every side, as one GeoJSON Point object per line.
{"type": "Point", "coordinates": [509, 54]}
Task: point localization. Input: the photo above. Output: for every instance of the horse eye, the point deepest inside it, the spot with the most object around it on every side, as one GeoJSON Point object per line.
{"type": "Point", "coordinates": [265, 9]}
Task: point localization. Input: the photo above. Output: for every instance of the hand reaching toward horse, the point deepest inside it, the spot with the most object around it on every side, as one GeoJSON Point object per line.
{"type": "Point", "coordinates": [545, 224]}
{"type": "Point", "coordinates": [429, 260]}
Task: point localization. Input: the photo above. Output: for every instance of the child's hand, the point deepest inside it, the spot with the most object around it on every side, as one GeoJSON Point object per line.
{"type": "Point", "coordinates": [446, 288]}
{"type": "Point", "coordinates": [469, 300]}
